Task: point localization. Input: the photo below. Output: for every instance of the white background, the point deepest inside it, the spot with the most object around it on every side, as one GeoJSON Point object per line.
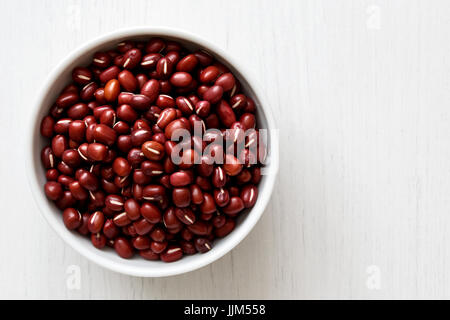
{"type": "Point", "coordinates": [360, 92]}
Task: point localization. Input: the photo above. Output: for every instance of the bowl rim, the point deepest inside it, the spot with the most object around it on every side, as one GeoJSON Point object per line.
{"type": "Point", "coordinates": [44, 206]}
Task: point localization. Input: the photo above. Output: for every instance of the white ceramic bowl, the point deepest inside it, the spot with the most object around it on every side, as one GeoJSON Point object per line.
{"type": "Point", "coordinates": [107, 258]}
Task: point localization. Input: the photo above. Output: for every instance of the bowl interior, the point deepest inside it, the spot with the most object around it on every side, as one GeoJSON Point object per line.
{"type": "Point", "coordinates": [107, 257]}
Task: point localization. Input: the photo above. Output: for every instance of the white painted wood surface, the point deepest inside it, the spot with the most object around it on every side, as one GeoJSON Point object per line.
{"type": "Point", "coordinates": [360, 91]}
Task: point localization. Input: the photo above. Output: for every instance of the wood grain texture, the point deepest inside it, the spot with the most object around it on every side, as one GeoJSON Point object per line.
{"type": "Point", "coordinates": [360, 92]}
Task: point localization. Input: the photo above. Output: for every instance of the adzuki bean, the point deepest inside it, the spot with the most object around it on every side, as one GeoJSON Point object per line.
{"type": "Point", "coordinates": [109, 158]}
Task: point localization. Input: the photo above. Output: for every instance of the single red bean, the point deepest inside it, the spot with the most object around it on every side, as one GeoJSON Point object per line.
{"type": "Point", "coordinates": [53, 190]}
{"type": "Point", "coordinates": [148, 254]}
{"type": "Point", "coordinates": [141, 242]}
{"type": "Point", "coordinates": [226, 81]}
{"type": "Point", "coordinates": [226, 113]}
{"type": "Point", "coordinates": [181, 79]}
{"type": "Point", "coordinates": [181, 197]}
{"type": "Point", "coordinates": [173, 56]}
{"type": "Point", "coordinates": [123, 247]}
{"type": "Point", "coordinates": [101, 59]}
{"type": "Point", "coordinates": [52, 175]}
{"type": "Point", "coordinates": [135, 157]}
{"type": "Point", "coordinates": [221, 197]}
{"type": "Point", "coordinates": [249, 195]}
{"type": "Point", "coordinates": [104, 134]}
{"type": "Point", "coordinates": [153, 150]}
{"type": "Point", "coordinates": [47, 126]}
{"type": "Point", "coordinates": [188, 63]}
{"type": "Point", "coordinates": [256, 175]}
{"type": "Point", "coordinates": [127, 113]}
{"type": "Point", "coordinates": [196, 194]}
{"type": "Point", "coordinates": [238, 101]}
{"type": "Point", "coordinates": [155, 45]}
{"type": "Point", "coordinates": [152, 168]}
{"type": "Point", "coordinates": [203, 108]}
{"type": "Point", "coordinates": [114, 202]}
{"type": "Point", "coordinates": [132, 209]}
{"type": "Point", "coordinates": [158, 234]}
{"type": "Point", "coordinates": [88, 91]}
{"type": "Point", "coordinates": [109, 186]}
{"type": "Point", "coordinates": [142, 226]}
{"type": "Point", "coordinates": [174, 126]}
{"type": "Point", "coordinates": [218, 177]}
{"type": "Point", "coordinates": [112, 89]}
{"type": "Point", "coordinates": [78, 111]}
{"type": "Point", "coordinates": [248, 120]}
{"type": "Point", "coordinates": [180, 179]}
{"type": "Point", "coordinates": [204, 57]}
{"type": "Point", "coordinates": [235, 206]}
{"type": "Point", "coordinates": [213, 94]}
{"type": "Point", "coordinates": [121, 127]}
{"type": "Point", "coordinates": [99, 95]}
{"type": "Point", "coordinates": [185, 215]}
{"type": "Point", "coordinates": [243, 177]}
{"type": "Point", "coordinates": [165, 86]}
{"type": "Point", "coordinates": [208, 205]}
{"type": "Point", "coordinates": [173, 253]}
{"type": "Point", "coordinates": [64, 168]}
{"type": "Point", "coordinates": [95, 222]}
{"type": "Point", "coordinates": [81, 75]}
{"type": "Point", "coordinates": [166, 116]}
{"type": "Point", "coordinates": [153, 192]}
{"type": "Point", "coordinates": [225, 229]}
{"type": "Point", "coordinates": [121, 219]}
{"type": "Point", "coordinates": [98, 240]}
{"type": "Point", "coordinates": [158, 247]}
{"type": "Point", "coordinates": [138, 137]}
{"type": "Point", "coordinates": [185, 105]}
{"type": "Point", "coordinates": [110, 230]}
{"type": "Point", "coordinates": [125, 98]}
{"type": "Point", "coordinates": [62, 125]}
{"type": "Point", "coordinates": [209, 74]}
{"type": "Point", "coordinates": [164, 68]}
{"type": "Point", "coordinates": [187, 247]}
{"type": "Point", "coordinates": [170, 220]}
{"type": "Point", "coordinates": [202, 245]}
{"type": "Point", "coordinates": [67, 99]}
{"type": "Point", "coordinates": [77, 130]}
{"type": "Point", "coordinates": [121, 167]}
{"type": "Point", "coordinates": [200, 228]}
{"type": "Point", "coordinates": [88, 180]}
{"type": "Point", "coordinates": [164, 101]}
{"type": "Point", "coordinates": [72, 158]}
{"type": "Point", "coordinates": [132, 58]}
{"type": "Point", "coordinates": [59, 145]}
{"type": "Point", "coordinates": [151, 212]}
{"type": "Point", "coordinates": [97, 151]}
{"type": "Point", "coordinates": [232, 165]}
{"type": "Point", "coordinates": [127, 80]}
{"type": "Point", "coordinates": [109, 74]}
{"type": "Point", "coordinates": [72, 218]}
{"type": "Point", "coordinates": [151, 89]}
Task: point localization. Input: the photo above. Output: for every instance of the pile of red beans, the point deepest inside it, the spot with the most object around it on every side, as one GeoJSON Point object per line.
{"type": "Point", "coordinates": [108, 161]}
